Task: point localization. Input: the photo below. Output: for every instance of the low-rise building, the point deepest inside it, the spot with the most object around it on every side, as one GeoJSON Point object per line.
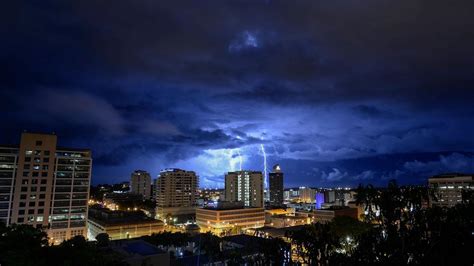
{"type": "Point", "coordinates": [138, 252]}
{"type": "Point", "coordinates": [114, 200]}
{"type": "Point", "coordinates": [360, 208]}
{"type": "Point", "coordinates": [326, 215]}
{"type": "Point", "coordinates": [448, 188]}
{"type": "Point", "coordinates": [228, 220]}
{"type": "Point", "coordinates": [273, 232]}
{"type": "Point", "coordinates": [280, 221]}
{"type": "Point", "coordinates": [278, 211]}
{"type": "Point", "coordinates": [121, 224]}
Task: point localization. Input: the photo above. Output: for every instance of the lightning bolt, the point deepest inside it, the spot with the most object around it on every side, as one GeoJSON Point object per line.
{"type": "Point", "coordinates": [240, 159]}
{"type": "Point", "coordinates": [264, 166]}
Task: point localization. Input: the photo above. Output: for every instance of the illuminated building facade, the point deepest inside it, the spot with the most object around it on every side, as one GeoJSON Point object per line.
{"type": "Point", "coordinates": [319, 200]}
{"type": "Point", "coordinates": [449, 187]}
{"type": "Point", "coordinates": [8, 169]}
{"type": "Point", "coordinates": [307, 195]}
{"type": "Point", "coordinates": [50, 188]}
{"type": "Point", "coordinates": [121, 224]}
{"type": "Point", "coordinates": [227, 220]}
{"type": "Point", "coordinates": [244, 186]}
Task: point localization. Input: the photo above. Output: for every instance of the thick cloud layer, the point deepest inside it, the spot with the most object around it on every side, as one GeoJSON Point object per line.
{"type": "Point", "coordinates": [330, 88]}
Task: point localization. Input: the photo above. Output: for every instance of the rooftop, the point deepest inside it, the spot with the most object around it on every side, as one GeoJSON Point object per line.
{"type": "Point", "coordinates": [108, 217]}
{"type": "Point", "coordinates": [279, 232]}
{"type": "Point", "coordinates": [136, 246]}
{"type": "Point", "coordinates": [141, 247]}
{"type": "Point", "coordinates": [243, 240]}
{"type": "Point", "coordinates": [175, 170]}
{"type": "Point", "coordinates": [451, 175]}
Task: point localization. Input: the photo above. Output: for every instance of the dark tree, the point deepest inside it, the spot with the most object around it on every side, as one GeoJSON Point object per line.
{"type": "Point", "coordinates": [103, 240]}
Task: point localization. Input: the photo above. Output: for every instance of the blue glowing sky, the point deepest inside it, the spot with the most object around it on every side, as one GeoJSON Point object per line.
{"type": "Point", "coordinates": [337, 92]}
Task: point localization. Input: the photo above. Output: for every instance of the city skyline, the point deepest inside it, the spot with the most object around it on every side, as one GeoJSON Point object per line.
{"type": "Point", "coordinates": [212, 87]}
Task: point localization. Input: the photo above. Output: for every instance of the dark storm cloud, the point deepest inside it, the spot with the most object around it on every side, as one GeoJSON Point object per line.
{"type": "Point", "coordinates": [172, 81]}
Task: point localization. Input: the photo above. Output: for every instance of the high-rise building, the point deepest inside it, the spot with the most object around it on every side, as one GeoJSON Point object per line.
{"type": "Point", "coordinates": [176, 192]}
{"type": "Point", "coordinates": [244, 186]}
{"type": "Point", "coordinates": [448, 188]}
{"type": "Point", "coordinates": [8, 167]}
{"type": "Point", "coordinates": [276, 186]}
{"type": "Point", "coordinates": [44, 185]}
{"type": "Point", "coordinates": [140, 183]}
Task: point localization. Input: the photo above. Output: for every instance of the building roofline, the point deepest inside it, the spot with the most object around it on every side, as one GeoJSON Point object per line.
{"type": "Point", "coordinates": [451, 175]}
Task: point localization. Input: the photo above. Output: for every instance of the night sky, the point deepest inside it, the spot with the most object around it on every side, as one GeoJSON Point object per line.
{"type": "Point", "coordinates": [338, 92]}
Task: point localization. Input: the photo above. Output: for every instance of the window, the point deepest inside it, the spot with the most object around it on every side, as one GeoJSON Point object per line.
{"type": "Point", "coordinates": [46, 153]}
{"type": "Point", "coordinates": [39, 143]}
{"type": "Point", "coordinates": [41, 203]}
{"type": "Point", "coordinates": [62, 196]}
{"type": "Point", "coordinates": [21, 212]}
{"type": "Point", "coordinates": [31, 211]}
{"type": "Point", "coordinates": [43, 181]}
{"type": "Point", "coordinates": [27, 159]}
{"type": "Point", "coordinates": [23, 196]}
{"type": "Point", "coordinates": [37, 152]}
{"type": "Point", "coordinates": [35, 174]}
{"type": "Point", "coordinates": [42, 196]}
{"type": "Point", "coordinates": [31, 203]}
{"type": "Point", "coordinates": [45, 160]}
{"type": "Point", "coordinates": [33, 189]}
{"type": "Point", "coordinates": [24, 189]}
{"type": "Point", "coordinates": [36, 167]}
{"type": "Point", "coordinates": [62, 182]}
{"type": "Point", "coordinates": [32, 196]}
{"type": "Point", "coordinates": [39, 218]}
{"type": "Point", "coordinates": [34, 181]}
{"type": "Point", "coordinates": [21, 220]}
{"type": "Point", "coordinates": [45, 167]}
{"type": "Point", "coordinates": [42, 189]}
{"type": "Point", "coordinates": [22, 204]}
{"type": "Point", "coordinates": [44, 174]}
{"type": "Point", "coordinates": [28, 152]}
{"type": "Point", "coordinates": [26, 166]}
{"type": "Point", "coordinates": [25, 174]}
{"type": "Point", "coordinates": [40, 211]}
{"type": "Point", "coordinates": [37, 160]}
{"type": "Point", "coordinates": [24, 182]}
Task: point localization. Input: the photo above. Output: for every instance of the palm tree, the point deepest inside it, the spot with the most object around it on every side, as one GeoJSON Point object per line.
{"type": "Point", "coordinates": [368, 197]}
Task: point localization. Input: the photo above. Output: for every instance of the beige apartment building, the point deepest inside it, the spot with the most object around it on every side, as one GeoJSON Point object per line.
{"type": "Point", "coordinates": [48, 186]}
{"type": "Point", "coordinates": [176, 192]}
{"type": "Point", "coordinates": [307, 195]}
{"type": "Point", "coordinates": [246, 187]}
